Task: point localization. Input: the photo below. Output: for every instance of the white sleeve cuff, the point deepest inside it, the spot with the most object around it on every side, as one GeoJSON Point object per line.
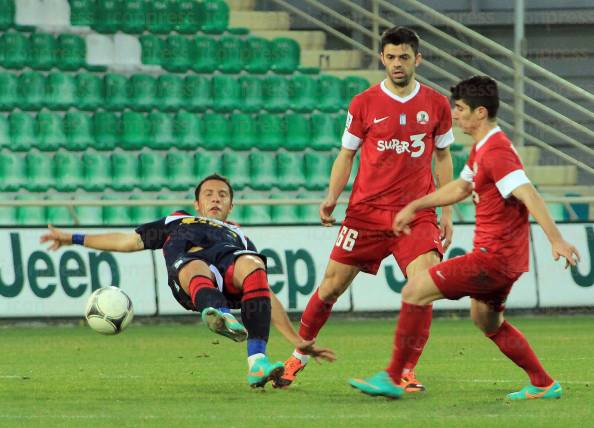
{"type": "Point", "coordinates": [511, 182]}
{"type": "Point", "coordinates": [444, 140]}
{"type": "Point", "coordinates": [466, 174]}
{"type": "Point", "coordinates": [350, 141]}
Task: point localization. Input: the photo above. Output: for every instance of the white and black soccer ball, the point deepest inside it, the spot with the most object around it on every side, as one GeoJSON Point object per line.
{"type": "Point", "coordinates": [109, 310]}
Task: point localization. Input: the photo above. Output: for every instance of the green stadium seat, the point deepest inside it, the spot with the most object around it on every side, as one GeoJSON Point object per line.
{"type": "Point", "coordinates": [230, 58]}
{"type": "Point", "coordinates": [8, 215]}
{"type": "Point", "coordinates": [68, 172]}
{"type": "Point", "coordinates": [298, 132]}
{"type": "Point", "coordinates": [9, 91]}
{"type": "Point", "coordinates": [324, 132]}
{"type": "Point", "coordinates": [251, 94]}
{"type": "Point", "coordinates": [88, 215]}
{"type": "Point", "coordinates": [40, 176]}
{"type": "Point", "coordinates": [204, 54]}
{"type": "Point", "coordinates": [7, 16]}
{"type": "Point", "coordinates": [262, 170]}
{"type": "Point", "coordinates": [115, 91]}
{"type": "Point", "coordinates": [4, 132]}
{"type": "Point", "coordinates": [289, 171]}
{"type": "Point", "coordinates": [216, 16]}
{"type": "Point", "coordinates": [330, 94]}
{"type": "Point", "coordinates": [82, 12]}
{"type": "Point", "coordinates": [116, 215]}
{"type": "Point", "coordinates": [59, 215]}
{"type": "Point", "coordinates": [216, 131]}
{"type": "Point", "coordinates": [133, 16]}
{"type": "Point", "coordinates": [108, 15]}
{"type": "Point", "coordinates": [310, 213]}
{"type": "Point", "coordinates": [152, 173]}
{"type": "Point", "coordinates": [255, 214]}
{"type": "Point", "coordinates": [244, 132]}
{"type": "Point", "coordinates": [106, 129]}
{"type": "Point", "coordinates": [143, 213]}
{"type": "Point", "coordinates": [97, 171]}
{"type": "Point", "coordinates": [285, 55]}
{"type": "Point", "coordinates": [89, 91]}
{"type": "Point", "coordinates": [50, 131]}
{"type": "Point", "coordinates": [142, 92]}
{"type": "Point", "coordinates": [197, 93]}
{"type": "Point", "coordinates": [317, 167]}
{"type": "Point", "coordinates": [353, 85]}
{"type": "Point", "coordinates": [151, 47]}
{"type": "Point", "coordinates": [167, 210]}
{"type": "Point", "coordinates": [135, 129]}
{"type": "Point", "coordinates": [271, 132]}
{"type": "Point", "coordinates": [188, 131]}
{"type": "Point", "coordinates": [71, 51]}
{"type": "Point", "coordinates": [206, 163]}
{"type": "Point", "coordinates": [180, 171]}
{"type": "Point", "coordinates": [13, 172]}
{"type": "Point", "coordinates": [161, 131]}
{"type": "Point", "coordinates": [61, 91]}
{"type": "Point", "coordinates": [170, 92]}
{"type": "Point", "coordinates": [30, 215]}
{"type": "Point", "coordinates": [78, 130]}
{"type": "Point", "coordinates": [22, 131]}
{"type": "Point", "coordinates": [42, 48]}
{"type": "Point", "coordinates": [176, 54]}
{"type": "Point", "coordinates": [257, 55]}
{"type": "Point", "coordinates": [15, 47]}
{"type": "Point", "coordinates": [467, 212]}
{"type": "Point", "coordinates": [287, 214]}
{"type": "Point", "coordinates": [458, 161]}
{"type": "Point", "coordinates": [124, 170]}
{"type": "Point", "coordinates": [276, 94]}
{"type": "Point", "coordinates": [225, 94]}
{"type": "Point", "coordinates": [160, 16]}
{"type": "Point", "coordinates": [31, 90]}
{"type": "Point", "coordinates": [304, 93]}
{"type": "Point", "coordinates": [188, 17]}
{"type": "Point", "coordinates": [236, 167]}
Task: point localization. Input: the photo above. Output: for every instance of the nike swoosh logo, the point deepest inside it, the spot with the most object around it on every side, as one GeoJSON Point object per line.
{"type": "Point", "coordinates": [439, 274]}
{"type": "Point", "coordinates": [380, 120]}
{"type": "Point", "coordinates": [259, 373]}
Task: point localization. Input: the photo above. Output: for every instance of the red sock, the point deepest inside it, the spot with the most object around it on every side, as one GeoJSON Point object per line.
{"type": "Point", "coordinates": [412, 333]}
{"type": "Point", "coordinates": [514, 345]}
{"type": "Point", "coordinates": [314, 317]}
{"type": "Point", "coordinates": [425, 327]}
{"type": "Point", "coordinates": [197, 283]}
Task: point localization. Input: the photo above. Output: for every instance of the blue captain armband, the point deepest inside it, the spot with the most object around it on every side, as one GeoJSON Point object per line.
{"type": "Point", "coordinates": [78, 238]}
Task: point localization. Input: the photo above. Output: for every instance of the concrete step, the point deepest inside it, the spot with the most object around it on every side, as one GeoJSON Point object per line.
{"type": "Point", "coordinates": [552, 175]}
{"type": "Point", "coordinates": [260, 20]}
{"type": "Point", "coordinates": [530, 155]}
{"type": "Point", "coordinates": [241, 5]}
{"type": "Point", "coordinates": [583, 190]}
{"type": "Point", "coordinates": [308, 40]}
{"type": "Point", "coordinates": [373, 76]}
{"type": "Point", "coordinates": [332, 59]}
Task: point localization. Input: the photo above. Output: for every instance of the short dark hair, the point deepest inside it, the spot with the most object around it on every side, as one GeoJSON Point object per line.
{"type": "Point", "coordinates": [214, 177]}
{"type": "Point", "coordinates": [399, 36]}
{"type": "Point", "coordinates": [478, 91]}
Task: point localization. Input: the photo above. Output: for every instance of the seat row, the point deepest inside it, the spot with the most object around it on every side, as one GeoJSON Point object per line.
{"type": "Point", "coordinates": [143, 92]}
{"type": "Point", "coordinates": [75, 131]}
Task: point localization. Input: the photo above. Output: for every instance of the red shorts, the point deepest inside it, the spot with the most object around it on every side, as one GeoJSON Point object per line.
{"type": "Point", "coordinates": [478, 275]}
{"type": "Point", "coordinates": [367, 248]}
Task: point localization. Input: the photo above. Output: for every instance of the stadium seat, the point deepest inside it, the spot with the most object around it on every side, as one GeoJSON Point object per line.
{"type": "Point", "coordinates": [71, 51]}
{"type": "Point", "coordinates": [330, 94]}
{"type": "Point", "coordinates": [289, 171]}
{"type": "Point", "coordinates": [124, 170]}
{"type": "Point", "coordinates": [142, 92]}
{"type": "Point", "coordinates": [68, 172]}
{"type": "Point", "coordinates": [7, 15]}
{"type": "Point", "coordinates": [180, 171]}
{"type": "Point", "coordinates": [9, 91]}
{"type": "Point", "coordinates": [100, 51]}
{"type": "Point", "coordinates": [134, 130]}
{"type": "Point", "coordinates": [161, 132]}
{"type": "Point", "coordinates": [97, 171]}
{"type": "Point", "coordinates": [317, 167]}
{"type": "Point", "coordinates": [50, 131]}
{"type": "Point", "coordinates": [255, 214]}
{"type": "Point", "coordinates": [59, 215]}
{"type": "Point", "coordinates": [82, 12]}
{"type": "Point", "coordinates": [133, 16]}
{"type": "Point", "coordinates": [13, 172]}
{"type": "Point", "coordinates": [89, 91]}
{"type": "Point", "coordinates": [276, 94]}
{"type": "Point", "coordinates": [197, 93]}
{"type": "Point", "coordinates": [151, 47]}
{"type": "Point", "coordinates": [42, 48]}
{"type": "Point", "coordinates": [188, 17]}
{"type": "Point", "coordinates": [324, 132]}
{"type": "Point", "coordinates": [206, 163]}
{"type": "Point", "coordinates": [170, 92]}
{"type": "Point", "coordinates": [115, 91]}
{"type": "Point", "coordinates": [176, 54]}
{"type": "Point", "coordinates": [166, 210]}
{"type": "Point", "coordinates": [108, 15]}
{"type": "Point", "coordinates": [257, 55]}
{"type": "Point", "coordinates": [271, 132]}
{"type": "Point", "coordinates": [230, 54]}
{"type": "Point", "coordinates": [8, 215]}
{"type": "Point", "coordinates": [459, 160]}
{"type": "Point", "coordinates": [188, 131]}
{"type": "Point", "coordinates": [204, 54]}
{"type": "Point", "coordinates": [236, 167]}
{"type": "Point", "coordinates": [216, 131]}
{"type": "Point", "coordinates": [39, 172]}
{"type": "Point", "coordinates": [262, 170]}
{"type": "Point", "coordinates": [216, 16]}
{"type": "Point", "coordinates": [143, 213]}
{"type": "Point", "coordinates": [106, 130]}
{"type": "Point", "coordinates": [4, 132]}
{"type": "Point", "coordinates": [78, 131]}
{"type": "Point", "coordinates": [88, 215]}
{"type": "Point", "coordinates": [160, 16]}
{"type": "Point", "coordinates": [244, 132]}
{"type": "Point", "coordinates": [353, 85]}
{"type": "Point", "coordinates": [31, 90]}
{"type": "Point", "coordinates": [30, 215]}
{"type": "Point", "coordinates": [298, 132]}
{"type": "Point", "coordinates": [61, 91]}
{"type": "Point", "coordinates": [116, 215]}
{"type": "Point", "coordinates": [308, 213]}
{"type": "Point", "coordinates": [251, 94]}
{"type": "Point", "coordinates": [225, 93]}
{"type": "Point", "coordinates": [22, 131]}
{"type": "Point", "coordinates": [285, 55]}
{"type": "Point", "coordinates": [283, 213]}
{"type": "Point", "coordinates": [304, 93]}
{"type": "Point", "coordinates": [152, 172]}
{"type": "Point", "coordinates": [15, 47]}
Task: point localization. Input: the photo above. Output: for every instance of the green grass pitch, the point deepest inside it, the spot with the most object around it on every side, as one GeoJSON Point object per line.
{"type": "Point", "coordinates": [178, 375]}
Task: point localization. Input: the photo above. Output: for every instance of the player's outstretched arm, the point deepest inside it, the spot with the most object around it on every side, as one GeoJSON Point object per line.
{"type": "Point", "coordinates": [537, 207]}
{"type": "Point", "coordinates": [339, 177]}
{"type": "Point", "coordinates": [123, 242]}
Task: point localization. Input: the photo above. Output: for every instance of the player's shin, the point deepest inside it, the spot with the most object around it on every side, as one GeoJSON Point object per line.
{"type": "Point", "coordinates": [314, 316]}
{"type": "Point", "coordinates": [425, 327]}
{"type": "Point", "coordinates": [204, 294]}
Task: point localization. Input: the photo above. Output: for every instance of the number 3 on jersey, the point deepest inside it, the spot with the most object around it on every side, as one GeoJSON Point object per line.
{"type": "Point", "coordinates": [346, 238]}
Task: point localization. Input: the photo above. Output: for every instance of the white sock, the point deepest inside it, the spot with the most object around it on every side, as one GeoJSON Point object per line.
{"type": "Point", "coordinates": [301, 357]}
{"type": "Point", "coordinates": [253, 358]}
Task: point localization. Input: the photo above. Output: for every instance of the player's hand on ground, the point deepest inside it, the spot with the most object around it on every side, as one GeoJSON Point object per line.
{"type": "Point", "coordinates": [326, 209]}
{"type": "Point", "coordinates": [402, 220]}
{"type": "Point", "coordinates": [56, 237]}
{"type": "Point", "coordinates": [307, 347]}
{"type": "Point", "coordinates": [446, 230]}
{"type": "Point", "coordinates": [565, 249]}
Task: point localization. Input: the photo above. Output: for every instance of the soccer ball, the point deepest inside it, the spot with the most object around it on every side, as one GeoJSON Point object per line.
{"type": "Point", "coordinates": [109, 310]}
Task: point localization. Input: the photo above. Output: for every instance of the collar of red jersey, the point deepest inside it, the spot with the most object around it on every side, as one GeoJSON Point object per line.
{"type": "Point", "coordinates": [486, 137]}
{"type": "Point", "coordinates": [396, 97]}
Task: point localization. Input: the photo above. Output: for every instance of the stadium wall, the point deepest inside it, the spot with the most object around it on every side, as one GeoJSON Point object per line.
{"type": "Point", "coordinates": [37, 283]}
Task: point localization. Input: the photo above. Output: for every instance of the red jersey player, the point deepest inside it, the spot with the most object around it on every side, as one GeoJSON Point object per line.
{"type": "Point", "coordinates": [398, 126]}
{"type": "Point", "coordinates": [503, 196]}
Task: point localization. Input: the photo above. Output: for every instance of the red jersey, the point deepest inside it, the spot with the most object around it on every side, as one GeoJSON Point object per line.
{"type": "Point", "coordinates": [397, 137]}
{"type": "Point", "coordinates": [495, 171]}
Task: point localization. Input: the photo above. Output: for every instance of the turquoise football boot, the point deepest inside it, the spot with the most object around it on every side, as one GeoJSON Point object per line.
{"type": "Point", "coordinates": [380, 385]}
{"type": "Point", "coordinates": [263, 371]}
{"type": "Point", "coordinates": [224, 324]}
{"type": "Point", "coordinates": [532, 392]}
